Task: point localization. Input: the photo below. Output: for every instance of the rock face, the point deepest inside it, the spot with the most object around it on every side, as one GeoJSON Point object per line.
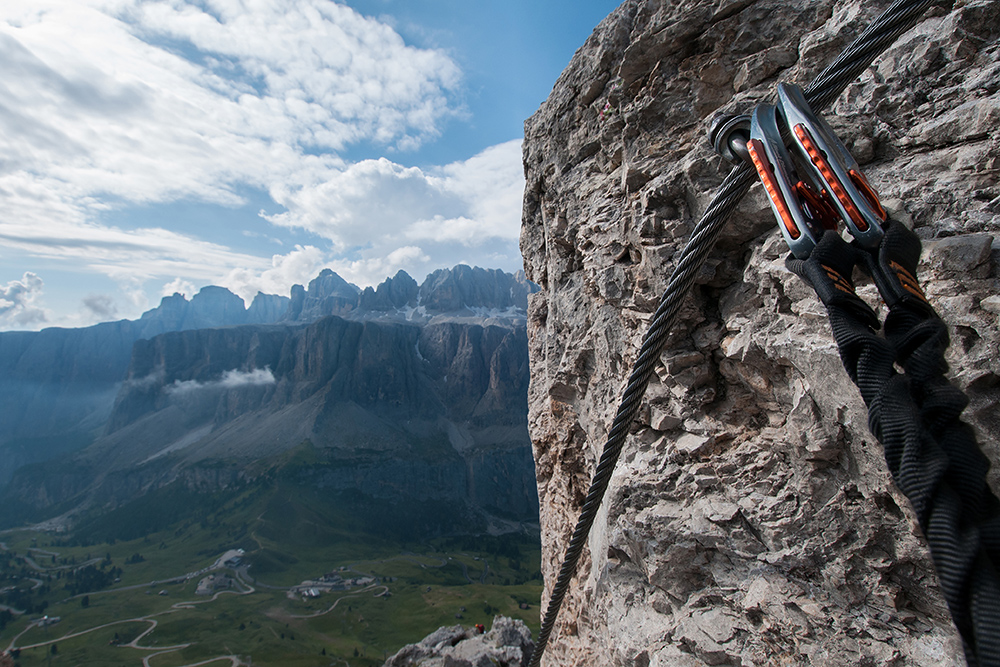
{"type": "Point", "coordinates": [751, 520]}
{"type": "Point", "coordinates": [474, 288]}
{"type": "Point", "coordinates": [57, 386]}
{"type": "Point", "coordinates": [433, 409]}
{"type": "Point", "coordinates": [507, 644]}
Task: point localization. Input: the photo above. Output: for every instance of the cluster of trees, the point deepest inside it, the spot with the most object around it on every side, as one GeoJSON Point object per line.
{"type": "Point", "coordinates": [24, 600]}
{"type": "Point", "coordinates": [91, 578]}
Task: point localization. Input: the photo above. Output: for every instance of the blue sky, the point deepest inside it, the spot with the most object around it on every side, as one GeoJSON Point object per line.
{"type": "Point", "coordinates": [153, 146]}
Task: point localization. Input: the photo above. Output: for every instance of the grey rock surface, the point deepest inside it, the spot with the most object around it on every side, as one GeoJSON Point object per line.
{"type": "Point", "coordinates": [507, 644]}
{"type": "Point", "coordinates": [751, 520]}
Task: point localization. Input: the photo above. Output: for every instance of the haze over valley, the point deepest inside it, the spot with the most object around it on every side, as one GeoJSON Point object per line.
{"type": "Point", "coordinates": [308, 433]}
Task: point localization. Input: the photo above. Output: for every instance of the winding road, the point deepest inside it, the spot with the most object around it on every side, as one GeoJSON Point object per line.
{"type": "Point", "coordinates": [244, 583]}
{"type": "Point", "coordinates": [344, 597]}
{"type": "Point", "coordinates": [234, 661]}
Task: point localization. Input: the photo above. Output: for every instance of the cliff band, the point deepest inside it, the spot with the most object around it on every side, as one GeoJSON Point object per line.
{"type": "Point", "coordinates": [751, 520]}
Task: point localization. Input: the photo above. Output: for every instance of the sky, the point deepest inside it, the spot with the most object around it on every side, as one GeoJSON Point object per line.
{"type": "Point", "coordinates": [156, 146]}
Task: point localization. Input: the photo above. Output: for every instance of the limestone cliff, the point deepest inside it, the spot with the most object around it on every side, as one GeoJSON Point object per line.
{"type": "Point", "coordinates": [751, 520]}
{"type": "Point", "coordinates": [389, 410]}
{"type": "Point", "coordinates": [57, 386]}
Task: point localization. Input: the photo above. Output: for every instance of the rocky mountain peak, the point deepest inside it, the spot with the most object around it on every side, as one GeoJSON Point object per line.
{"type": "Point", "coordinates": [328, 283]}
{"type": "Point", "coordinates": [465, 287]}
{"type": "Point", "coordinates": [212, 306]}
{"type": "Point", "coordinates": [396, 293]}
{"type": "Point", "coordinates": [461, 291]}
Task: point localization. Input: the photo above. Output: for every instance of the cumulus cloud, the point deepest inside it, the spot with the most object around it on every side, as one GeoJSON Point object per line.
{"type": "Point", "coordinates": [17, 303]}
{"type": "Point", "coordinates": [296, 267]}
{"type": "Point", "coordinates": [179, 286]}
{"type": "Point", "coordinates": [109, 103]}
{"type": "Point", "coordinates": [229, 380]}
{"type": "Point", "coordinates": [374, 270]}
{"type": "Point", "coordinates": [391, 217]}
{"type": "Point", "coordinates": [377, 201]}
{"type": "Point", "coordinates": [100, 306]}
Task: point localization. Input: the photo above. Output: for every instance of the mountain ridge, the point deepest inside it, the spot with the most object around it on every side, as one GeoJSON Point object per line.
{"type": "Point", "coordinates": [60, 385]}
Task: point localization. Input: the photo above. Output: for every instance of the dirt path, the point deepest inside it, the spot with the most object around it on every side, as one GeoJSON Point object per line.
{"type": "Point", "coordinates": [344, 597]}
{"type": "Point", "coordinates": [149, 618]}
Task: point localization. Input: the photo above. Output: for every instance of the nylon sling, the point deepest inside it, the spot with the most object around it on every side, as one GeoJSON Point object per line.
{"type": "Point", "coordinates": [932, 455]}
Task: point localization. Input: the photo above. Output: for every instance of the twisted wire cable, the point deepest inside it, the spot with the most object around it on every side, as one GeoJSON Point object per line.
{"type": "Point", "coordinates": [859, 54]}
{"type": "Point", "coordinates": [884, 30]}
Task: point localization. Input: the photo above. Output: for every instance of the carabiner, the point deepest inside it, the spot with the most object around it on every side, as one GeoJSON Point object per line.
{"type": "Point", "coordinates": [833, 166]}
{"type": "Point", "coordinates": [802, 212]}
{"type": "Point", "coordinates": [815, 185]}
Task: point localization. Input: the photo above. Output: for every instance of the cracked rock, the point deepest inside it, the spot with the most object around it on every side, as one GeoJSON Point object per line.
{"type": "Point", "coordinates": [753, 522]}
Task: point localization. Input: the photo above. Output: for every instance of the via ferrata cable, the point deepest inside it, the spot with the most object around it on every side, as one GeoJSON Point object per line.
{"type": "Point", "coordinates": [882, 32]}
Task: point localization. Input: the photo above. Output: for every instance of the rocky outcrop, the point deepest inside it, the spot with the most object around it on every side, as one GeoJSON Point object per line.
{"type": "Point", "coordinates": [507, 644]}
{"type": "Point", "coordinates": [751, 520]}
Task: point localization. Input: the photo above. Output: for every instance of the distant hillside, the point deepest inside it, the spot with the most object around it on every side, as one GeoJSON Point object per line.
{"type": "Point", "coordinates": [57, 386]}
{"type": "Point", "coordinates": [411, 392]}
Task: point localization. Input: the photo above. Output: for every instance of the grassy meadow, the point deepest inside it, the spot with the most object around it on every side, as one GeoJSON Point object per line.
{"type": "Point", "coordinates": [114, 585]}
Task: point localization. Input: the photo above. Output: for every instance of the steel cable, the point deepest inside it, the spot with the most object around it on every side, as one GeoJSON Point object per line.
{"type": "Point", "coordinates": [884, 30]}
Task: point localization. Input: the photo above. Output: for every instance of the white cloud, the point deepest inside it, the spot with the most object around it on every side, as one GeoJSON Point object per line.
{"type": "Point", "coordinates": [235, 378]}
{"type": "Point", "coordinates": [179, 286]}
{"type": "Point", "coordinates": [492, 184]}
{"type": "Point", "coordinates": [229, 380]}
{"type": "Point", "coordinates": [462, 230]}
{"type": "Point", "coordinates": [467, 211]}
{"type": "Point", "coordinates": [375, 202]}
{"type": "Point", "coordinates": [112, 104]}
{"type": "Point", "coordinates": [17, 303]}
{"type": "Point", "coordinates": [297, 267]}
{"type": "Point", "coordinates": [115, 252]}
{"type": "Point", "coordinates": [100, 307]}
{"type": "Point", "coordinates": [147, 381]}
{"type": "Point", "coordinates": [369, 200]}
{"type": "Point", "coordinates": [108, 103]}
{"type": "Point", "coordinates": [374, 270]}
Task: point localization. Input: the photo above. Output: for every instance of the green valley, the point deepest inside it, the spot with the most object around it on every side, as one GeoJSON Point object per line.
{"type": "Point", "coordinates": [269, 572]}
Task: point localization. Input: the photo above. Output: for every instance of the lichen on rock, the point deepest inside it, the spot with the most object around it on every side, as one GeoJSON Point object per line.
{"type": "Point", "coordinates": [751, 520]}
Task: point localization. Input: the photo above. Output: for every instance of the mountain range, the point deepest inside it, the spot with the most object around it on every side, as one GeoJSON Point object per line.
{"type": "Point", "coordinates": [404, 391]}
